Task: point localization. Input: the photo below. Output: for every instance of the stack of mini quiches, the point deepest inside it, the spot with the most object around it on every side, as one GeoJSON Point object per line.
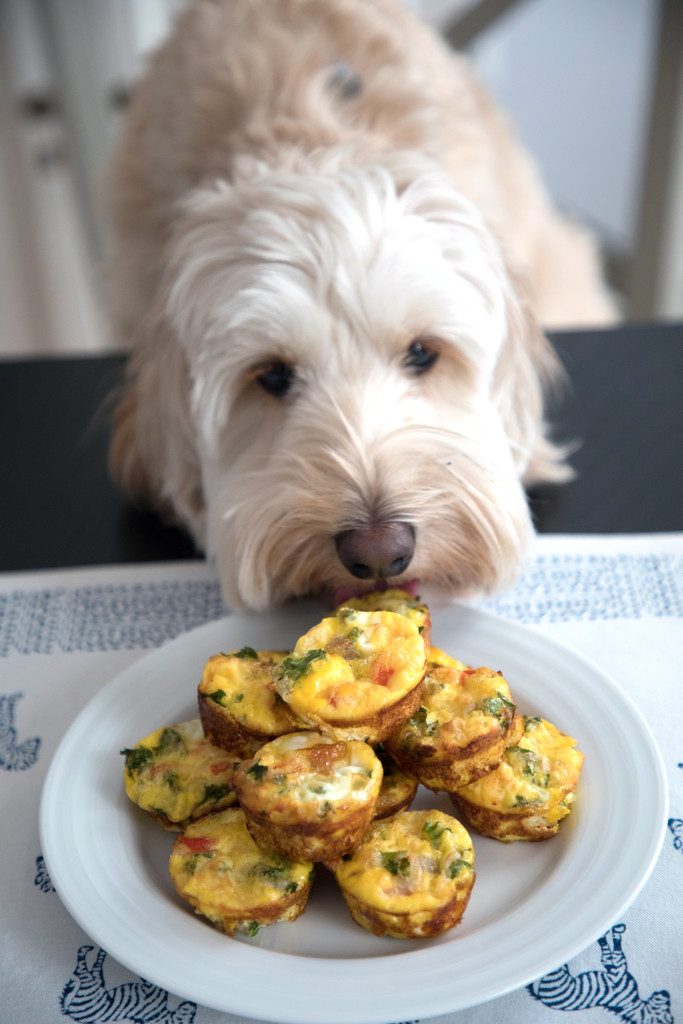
{"type": "Point", "coordinates": [323, 748]}
{"type": "Point", "coordinates": [510, 776]}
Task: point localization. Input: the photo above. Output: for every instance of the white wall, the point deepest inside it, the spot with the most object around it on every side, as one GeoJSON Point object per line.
{"type": "Point", "coordinates": [575, 76]}
{"type": "Point", "coordinates": [48, 284]}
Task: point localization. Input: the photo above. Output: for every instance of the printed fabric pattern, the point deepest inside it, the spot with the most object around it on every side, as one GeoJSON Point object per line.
{"type": "Point", "coordinates": [554, 588]}
{"type": "Point", "coordinates": [615, 980]}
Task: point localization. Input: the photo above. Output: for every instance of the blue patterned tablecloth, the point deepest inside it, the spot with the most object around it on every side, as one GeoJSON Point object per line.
{"type": "Point", "coordinates": [618, 601]}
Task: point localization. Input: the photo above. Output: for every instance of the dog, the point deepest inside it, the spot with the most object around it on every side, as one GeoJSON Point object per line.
{"type": "Point", "coordinates": [329, 257]}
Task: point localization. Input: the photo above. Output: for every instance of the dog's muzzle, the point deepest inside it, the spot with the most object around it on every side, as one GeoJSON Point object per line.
{"type": "Point", "coordinates": [377, 551]}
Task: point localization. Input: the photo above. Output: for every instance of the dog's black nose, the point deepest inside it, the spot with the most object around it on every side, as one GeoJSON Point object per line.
{"type": "Point", "coordinates": [376, 551]}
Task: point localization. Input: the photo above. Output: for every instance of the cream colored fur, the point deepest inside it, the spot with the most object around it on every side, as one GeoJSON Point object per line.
{"type": "Point", "coordinates": [263, 209]}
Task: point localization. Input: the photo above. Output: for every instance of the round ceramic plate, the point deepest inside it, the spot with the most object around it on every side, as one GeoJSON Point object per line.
{"type": "Point", "coordinates": [534, 905]}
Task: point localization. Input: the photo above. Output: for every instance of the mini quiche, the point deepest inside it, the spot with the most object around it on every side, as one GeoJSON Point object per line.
{"type": "Point", "coordinates": [177, 775]}
{"type": "Point", "coordinates": [411, 876]}
{"type": "Point", "coordinates": [459, 731]}
{"type": "Point", "coordinates": [308, 796]}
{"type": "Point", "coordinates": [356, 675]}
{"type": "Point", "coordinates": [530, 792]}
{"type": "Point", "coordinates": [399, 601]}
{"type": "Point", "coordinates": [217, 868]}
{"type": "Point", "coordinates": [439, 658]}
{"type": "Point", "coordinates": [238, 704]}
{"type": "Point", "coordinates": [398, 789]}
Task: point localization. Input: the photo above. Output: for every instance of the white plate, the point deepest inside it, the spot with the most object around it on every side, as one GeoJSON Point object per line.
{"type": "Point", "coordinates": [533, 907]}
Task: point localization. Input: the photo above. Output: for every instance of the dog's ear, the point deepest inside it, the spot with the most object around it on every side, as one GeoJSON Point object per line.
{"type": "Point", "coordinates": [152, 448]}
{"type": "Point", "coordinates": [527, 369]}
{"type": "Point", "coordinates": [125, 464]}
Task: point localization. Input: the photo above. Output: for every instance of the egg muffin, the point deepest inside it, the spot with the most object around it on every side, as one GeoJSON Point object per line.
{"type": "Point", "coordinates": [239, 707]}
{"type": "Point", "coordinates": [398, 789]}
{"type": "Point", "coordinates": [459, 731]}
{"type": "Point", "coordinates": [411, 876]}
{"type": "Point", "coordinates": [437, 657]}
{"type": "Point", "coordinates": [530, 792]}
{"type": "Point", "coordinates": [399, 601]}
{"type": "Point", "coordinates": [308, 796]}
{"type": "Point", "coordinates": [356, 675]}
{"type": "Point", "coordinates": [217, 867]}
{"type": "Point", "coordinates": [177, 775]}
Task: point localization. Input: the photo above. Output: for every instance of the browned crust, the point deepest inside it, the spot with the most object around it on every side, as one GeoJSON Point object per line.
{"type": "Point", "coordinates": [506, 827]}
{"type": "Point", "coordinates": [385, 807]}
{"type": "Point", "coordinates": [452, 768]}
{"type": "Point", "coordinates": [324, 840]}
{"type": "Point", "coordinates": [516, 730]}
{"type": "Point", "coordinates": [288, 908]}
{"type": "Point", "coordinates": [416, 925]}
{"type": "Point", "coordinates": [380, 726]}
{"type": "Point", "coordinates": [225, 732]}
{"type": "Point", "coordinates": [441, 776]}
{"type": "Point", "coordinates": [170, 826]}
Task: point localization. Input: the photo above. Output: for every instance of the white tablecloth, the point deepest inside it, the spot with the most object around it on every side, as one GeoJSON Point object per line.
{"type": "Point", "coordinates": [63, 635]}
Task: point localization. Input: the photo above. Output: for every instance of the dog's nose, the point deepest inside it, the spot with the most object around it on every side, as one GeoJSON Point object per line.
{"type": "Point", "coordinates": [376, 551]}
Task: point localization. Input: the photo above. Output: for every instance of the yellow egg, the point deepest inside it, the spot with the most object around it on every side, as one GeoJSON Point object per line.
{"type": "Point", "coordinates": [394, 600]}
{"type": "Point", "coordinates": [239, 706]}
{"type": "Point", "coordinates": [355, 674]}
{"type": "Point", "coordinates": [411, 876]}
{"type": "Point", "coordinates": [177, 775]}
{"type": "Point", "coordinates": [439, 658]}
{"type": "Point", "coordinates": [308, 796]}
{"type": "Point", "coordinates": [216, 866]}
{"type": "Point", "coordinates": [531, 791]}
{"type": "Point", "coordinates": [460, 729]}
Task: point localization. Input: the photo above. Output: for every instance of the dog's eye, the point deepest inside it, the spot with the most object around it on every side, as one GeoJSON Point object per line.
{"type": "Point", "coordinates": [420, 357]}
{"type": "Point", "coordinates": [276, 379]}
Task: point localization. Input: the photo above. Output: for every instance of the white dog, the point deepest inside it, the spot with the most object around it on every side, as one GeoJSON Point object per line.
{"type": "Point", "coordinates": [327, 247]}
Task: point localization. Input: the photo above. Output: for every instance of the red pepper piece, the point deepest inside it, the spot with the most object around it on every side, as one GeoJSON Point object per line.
{"type": "Point", "coordinates": [198, 844]}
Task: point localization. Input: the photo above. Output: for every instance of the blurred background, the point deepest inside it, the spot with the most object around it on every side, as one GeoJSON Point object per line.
{"type": "Point", "coordinates": [595, 88]}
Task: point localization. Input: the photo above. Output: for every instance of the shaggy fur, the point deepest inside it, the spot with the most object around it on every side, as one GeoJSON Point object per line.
{"type": "Point", "coordinates": [319, 182]}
